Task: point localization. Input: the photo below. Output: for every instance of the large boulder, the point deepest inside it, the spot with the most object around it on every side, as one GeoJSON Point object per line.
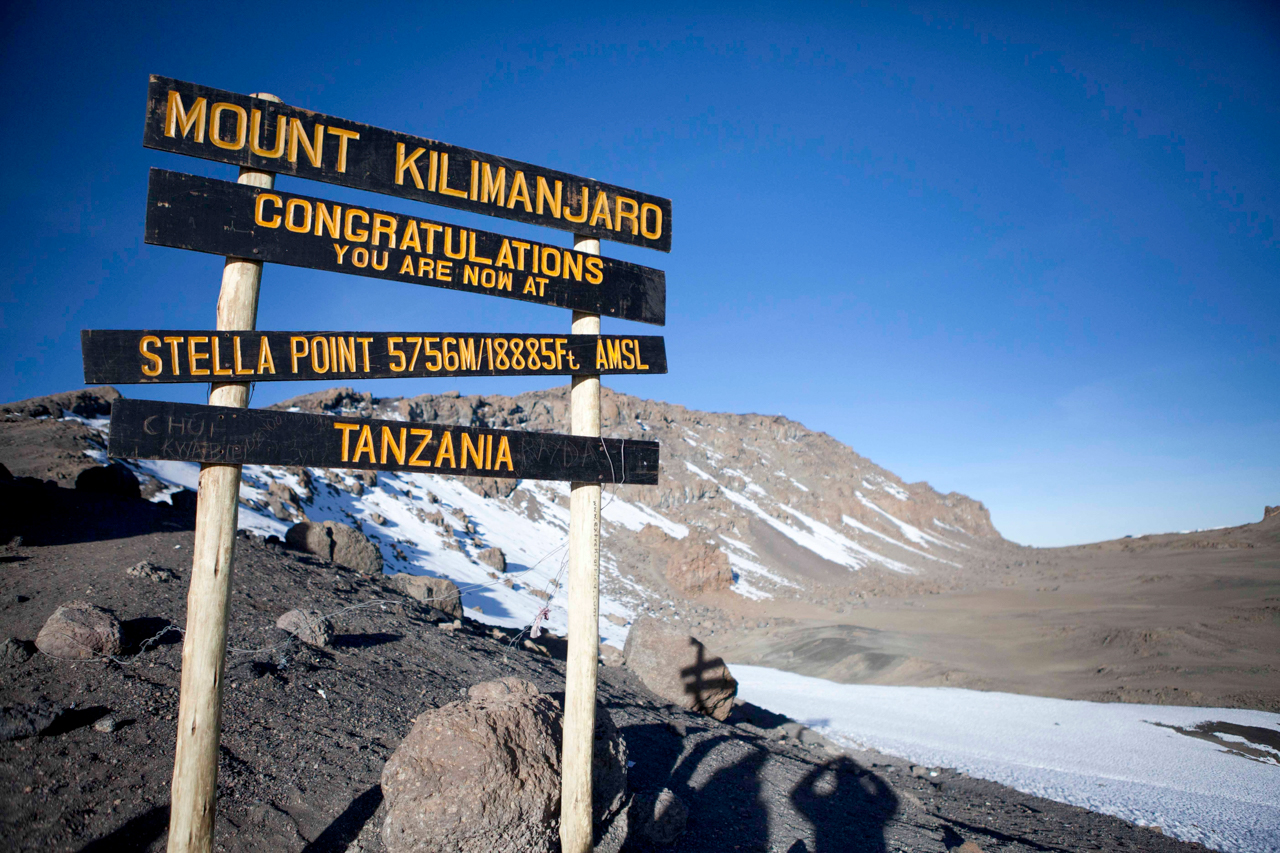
{"type": "Point", "coordinates": [484, 774]}
{"type": "Point", "coordinates": [677, 667]}
{"type": "Point", "coordinates": [337, 542]}
{"type": "Point", "coordinates": [79, 630]}
{"type": "Point", "coordinates": [113, 479]}
{"type": "Point", "coordinates": [441, 593]}
{"type": "Point", "coordinates": [493, 557]}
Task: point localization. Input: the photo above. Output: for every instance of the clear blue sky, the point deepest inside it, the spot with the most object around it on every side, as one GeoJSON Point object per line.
{"type": "Point", "coordinates": [1028, 254]}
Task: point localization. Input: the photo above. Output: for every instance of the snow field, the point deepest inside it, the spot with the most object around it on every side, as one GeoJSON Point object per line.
{"type": "Point", "coordinates": [1118, 759]}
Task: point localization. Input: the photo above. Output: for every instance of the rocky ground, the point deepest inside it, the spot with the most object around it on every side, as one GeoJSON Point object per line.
{"type": "Point", "coordinates": [89, 744]}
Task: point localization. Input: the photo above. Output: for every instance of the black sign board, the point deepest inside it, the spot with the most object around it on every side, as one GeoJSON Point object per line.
{"type": "Point", "coordinates": [146, 429]}
{"type": "Point", "coordinates": [131, 356]}
{"type": "Point", "coordinates": [199, 121]}
{"type": "Point", "coordinates": [226, 218]}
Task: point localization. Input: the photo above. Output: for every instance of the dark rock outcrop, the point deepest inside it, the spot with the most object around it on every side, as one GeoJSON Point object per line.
{"type": "Point", "coordinates": [113, 479]}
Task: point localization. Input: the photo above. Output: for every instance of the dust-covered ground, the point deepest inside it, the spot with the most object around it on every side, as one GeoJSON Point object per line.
{"type": "Point", "coordinates": [1181, 619]}
{"type": "Point", "coordinates": [306, 731]}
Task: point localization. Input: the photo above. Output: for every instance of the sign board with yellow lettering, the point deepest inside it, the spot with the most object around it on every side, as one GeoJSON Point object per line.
{"type": "Point", "coordinates": [147, 429]}
{"type": "Point", "coordinates": [123, 356]}
{"type": "Point", "coordinates": [225, 218]}
{"type": "Point", "coordinates": [199, 121]}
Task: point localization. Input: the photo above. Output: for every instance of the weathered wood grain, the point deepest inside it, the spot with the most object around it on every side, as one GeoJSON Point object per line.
{"type": "Point", "coordinates": [147, 429]}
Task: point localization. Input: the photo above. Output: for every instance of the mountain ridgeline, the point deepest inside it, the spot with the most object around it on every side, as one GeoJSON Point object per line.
{"type": "Point", "coordinates": [748, 504]}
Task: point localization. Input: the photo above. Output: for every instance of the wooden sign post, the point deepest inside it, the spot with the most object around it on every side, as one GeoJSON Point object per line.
{"type": "Point", "coordinates": [186, 432]}
{"type": "Point", "coordinates": [249, 223]}
{"type": "Point", "coordinates": [204, 649]}
{"type": "Point", "coordinates": [151, 356]}
{"type": "Point", "coordinates": [584, 610]}
{"type": "Point", "coordinates": [222, 218]}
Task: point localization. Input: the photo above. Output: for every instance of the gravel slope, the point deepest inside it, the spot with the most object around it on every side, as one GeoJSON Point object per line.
{"type": "Point", "coordinates": [306, 732]}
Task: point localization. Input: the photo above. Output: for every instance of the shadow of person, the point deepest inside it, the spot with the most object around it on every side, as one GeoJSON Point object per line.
{"type": "Point", "coordinates": [847, 806]}
{"type": "Point", "coordinates": [729, 802]}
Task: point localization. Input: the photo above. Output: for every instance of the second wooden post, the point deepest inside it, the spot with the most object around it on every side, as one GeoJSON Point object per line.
{"type": "Point", "coordinates": [194, 791]}
{"type": "Point", "coordinates": [584, 609]}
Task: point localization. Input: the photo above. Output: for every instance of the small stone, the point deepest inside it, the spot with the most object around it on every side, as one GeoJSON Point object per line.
{"type": "Point", "coordinates": [534, 647]}
{"type": "Point", "coordinates": [378, 518]}
{"type": "Point", "coordinates": [968, 847]}
{"type": "Point", "coordinates": [310, 626]}
{"type": "Point", "coordinates": [661, 817]}
{"type": "Point", "coordinates": [616, 619]}
{"type": "Point", "coordinates": [106, 725]}
{"type": "Point", "coordinates": [78, 630]}
{"type": "Point", "coordinates": [26, 720]}
{"type": "Point", "coordinates": [150, 571]}
{"type": "Point", "coordinates": [14, 651]}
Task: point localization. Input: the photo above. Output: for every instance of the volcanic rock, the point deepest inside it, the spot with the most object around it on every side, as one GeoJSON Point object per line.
{"type": "Point", "coordinates": [13, 651]}
{"type": "Point", "coordinates": [493, 557]}
{"type": "Point", "coordinates": [79, 630]}
{"type": "Point", "coordinates": [484, 774]}
{"type": "Point", "coordinates": [692, 565]}
{"type": "Point", "coordinates": [338, 543]}
{"type": "Point", "coordinates": [26, 720]}
{"type": "Point", "coordinates": [611, 655]}
{"type": "Point", "coordinates": [309, 626]}
{"type": "Point", "coordinates": [676, 666]}
{"type": "Point", "coordinates": [150, 571]}
{"type": "Point", "coordinates": [440, 593]}
{"type": "Point", "coordinates": [660, 817]}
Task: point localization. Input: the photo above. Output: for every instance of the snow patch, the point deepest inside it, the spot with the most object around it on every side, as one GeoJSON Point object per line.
{"type": "Point", "coordinates": [696, 470]}
{"type": "Point", "coordinates": [912, 532]}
